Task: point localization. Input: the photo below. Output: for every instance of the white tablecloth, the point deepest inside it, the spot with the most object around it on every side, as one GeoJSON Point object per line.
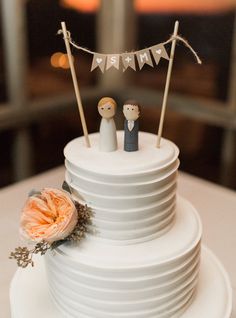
{"type": "Point", "coordinates": [216, 206]}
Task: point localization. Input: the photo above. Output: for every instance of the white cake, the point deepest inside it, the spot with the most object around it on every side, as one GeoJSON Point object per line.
{"type": "Point", "coordinates": [142, 258]}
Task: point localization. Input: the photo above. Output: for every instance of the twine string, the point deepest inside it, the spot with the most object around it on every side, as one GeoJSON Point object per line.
{"type": "Point", "coordinates": [171, 39]}
{"type": "Point", "coordinates": [186, 43]}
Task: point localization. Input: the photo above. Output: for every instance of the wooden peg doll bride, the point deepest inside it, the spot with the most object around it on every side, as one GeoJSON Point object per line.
{"type": "Point", "coordinates": [108, 139]}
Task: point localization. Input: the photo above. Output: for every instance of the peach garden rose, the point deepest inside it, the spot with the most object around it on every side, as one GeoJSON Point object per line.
{"type": "Point", "coordinates": [49, 216]}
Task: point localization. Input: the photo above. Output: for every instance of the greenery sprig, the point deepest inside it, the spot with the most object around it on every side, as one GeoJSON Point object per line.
{"type": "Point", "coordinates": [24, 256]}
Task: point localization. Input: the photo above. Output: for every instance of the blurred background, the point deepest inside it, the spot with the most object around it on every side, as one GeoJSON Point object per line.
{"type": "Point", "coordinates": [38, 112]}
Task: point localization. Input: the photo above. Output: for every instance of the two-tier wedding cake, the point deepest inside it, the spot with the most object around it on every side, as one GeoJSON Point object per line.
{"type": "Point", "coordinates": [143, 256]}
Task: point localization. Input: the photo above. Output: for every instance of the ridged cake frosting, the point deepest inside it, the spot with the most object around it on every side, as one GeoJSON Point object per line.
{"type": "Point", "coordinates": [132, 195]}
{"type": "Point", "coordinates": [141, 258]}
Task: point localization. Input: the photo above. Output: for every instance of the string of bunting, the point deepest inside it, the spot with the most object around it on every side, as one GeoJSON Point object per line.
{"type": "Point", "coordinates": [128, 59]}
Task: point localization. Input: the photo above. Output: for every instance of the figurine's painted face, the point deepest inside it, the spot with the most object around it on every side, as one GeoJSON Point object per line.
{"type": "Point", "coordinates": [131, 112]}
{"type": "Point", "coordinates": [107, 110]}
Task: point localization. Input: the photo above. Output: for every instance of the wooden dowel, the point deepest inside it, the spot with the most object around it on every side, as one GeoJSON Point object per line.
{"type": "Point", "coordinates": [75, 83]}
{"type": "Point", "coordinates": [166, 92]}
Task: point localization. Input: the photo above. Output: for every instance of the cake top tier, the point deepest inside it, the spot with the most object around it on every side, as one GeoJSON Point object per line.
{"type": "Point", "coordinates": [147, 158]}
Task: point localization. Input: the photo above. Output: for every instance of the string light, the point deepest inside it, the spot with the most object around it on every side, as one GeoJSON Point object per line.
{"type": "Point", "coordinates": [59, 60]}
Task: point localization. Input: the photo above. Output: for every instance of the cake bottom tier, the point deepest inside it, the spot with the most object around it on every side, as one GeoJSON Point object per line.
{"type": "Point", "coordinates": [157, 278]}
{"type": "Point", "coordinates": [30, 296]}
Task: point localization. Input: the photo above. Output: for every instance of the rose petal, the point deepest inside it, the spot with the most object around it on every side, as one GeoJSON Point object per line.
{"type": "Point", "coordinates": [51, 216]}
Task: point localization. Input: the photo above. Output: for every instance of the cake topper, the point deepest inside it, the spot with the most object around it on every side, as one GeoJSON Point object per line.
{"type": "Point", "coordinates": [108, 138]}
{"type": "Point", "coordinates": [131, 111]}
{"type": "Point", "coordinates": [127, 60]}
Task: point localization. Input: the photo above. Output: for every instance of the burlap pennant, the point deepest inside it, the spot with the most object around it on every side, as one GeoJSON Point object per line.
{"type": "Point", "coordinates": [113, 60]}
{"type": "Point", "coordinates": [159, 51]}
{"type": "Point", "coordinates": [144, 57]}
{"type": "Point", "coordinates": [128, 60]}
{"type": "Point", "coordinates": [106, 61]}
{"type": "Point", "coordinates": [99, 60]}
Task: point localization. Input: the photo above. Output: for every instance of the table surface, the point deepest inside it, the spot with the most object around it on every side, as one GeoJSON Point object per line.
{"type": "Point", "coordinates": [216, 206]}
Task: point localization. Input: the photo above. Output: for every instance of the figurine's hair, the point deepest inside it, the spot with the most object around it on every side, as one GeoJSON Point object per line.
{"type": "Point", "coordinates": [132, 102]}
{"type": "Point", "coordinates": [106, 100]}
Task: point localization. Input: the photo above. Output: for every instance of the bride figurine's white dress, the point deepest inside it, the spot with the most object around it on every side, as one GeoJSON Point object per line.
{"type": "Point", "coordinates": [108, 138]}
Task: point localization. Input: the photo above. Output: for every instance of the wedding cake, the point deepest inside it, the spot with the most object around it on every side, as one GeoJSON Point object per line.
{"type": "Point", "coordinates": [142, 257]}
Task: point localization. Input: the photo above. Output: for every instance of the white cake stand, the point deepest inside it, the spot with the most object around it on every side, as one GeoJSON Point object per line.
{"type": "Point", "coordinates": [30, 297]}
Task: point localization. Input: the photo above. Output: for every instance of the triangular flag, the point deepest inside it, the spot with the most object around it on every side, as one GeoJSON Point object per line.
{"type": "Point", "coordinates": [144, 57]}
{"type": "Point", "coordinates": [99, 60]}
{"type": "Point", "coordinates": [113, 60]}
{"type": "Point", "coordinates": [128, 60]}
{"type": "Point", "coordinates": [159, 51]}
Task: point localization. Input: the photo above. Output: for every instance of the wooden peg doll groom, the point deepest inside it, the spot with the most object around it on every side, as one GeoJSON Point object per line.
{"type": "Point", "coordinates": [131, 112]}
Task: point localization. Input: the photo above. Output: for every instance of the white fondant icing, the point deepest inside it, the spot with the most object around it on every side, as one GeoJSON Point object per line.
{"type": "Point", "coordinates": [114, 184]}
{"type": "Point", "coordinates": [117, 189]}
{"type": "Point", "coordinates": [157, 277]}
{"type": "Point", "coordinates": [120, 162]}
{"type": "Point", "coordinates": [142, 257]}
{"type": "Point", "coordinates": [123, 202]}
{"type": "Point", "coordinates": [132, 178]}
{"type": "Point", "coordinates": [34, 299]}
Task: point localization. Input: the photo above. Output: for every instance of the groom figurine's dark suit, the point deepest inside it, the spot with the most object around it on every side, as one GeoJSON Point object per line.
{"type": "Point", "coordinates": [131, 126]}
{"type": "Point", "coordinates": [131, 136]}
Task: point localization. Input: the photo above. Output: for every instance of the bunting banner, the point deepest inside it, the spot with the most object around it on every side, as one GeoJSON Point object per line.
{"type": "Point", "coordinates": [126, 60]}
{"type": "Point", "coordinates": [134, 60]}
